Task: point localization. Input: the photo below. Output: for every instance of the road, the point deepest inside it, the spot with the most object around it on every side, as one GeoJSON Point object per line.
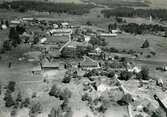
{"type": "Point", "coordinates": [68, 42]}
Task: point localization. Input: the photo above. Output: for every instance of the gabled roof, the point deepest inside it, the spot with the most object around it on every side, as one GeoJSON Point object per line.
{"type": "Point", "coordinates": [74, 44]}
{"type": "Point", "coordinates": [46, 64]}
{"type": "Point", "coordinates": [88, 62]}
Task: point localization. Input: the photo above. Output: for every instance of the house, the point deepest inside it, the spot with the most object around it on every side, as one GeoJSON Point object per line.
{"type": "Point", "coordinates": [74, 48]}
{"type": "Point", "coordinates": [47, 65]}
{"type": "Point", "coordinates": [161, 100]}
{"type": "Point", "coordinates": [36, 70]}
{"type": "Point", "coordinates": [60, 32]}
{"type": "Point", "coordinates": [89, 64]}
{"type": "Point", "coordinates": [3, 27]}
{"type": "Point", "coordinates": [55, 26]}
{"type": "Point", "coordinates": [65, 25]}
{"type": "Point", "coordinates": [87, 38]}
{"type": "Point", "coordinates": [14, 23]}
{"type": "Point", "coordinates": [108, 34]}
{"type": "Point", "coordinates": [133, 68]}
{"type": "Point", "coordinates": [117, 31]}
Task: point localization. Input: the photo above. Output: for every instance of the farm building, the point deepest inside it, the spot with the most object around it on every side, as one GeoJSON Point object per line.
{"type": "Point", "coordinates": [108, 34]}
{"type": "Point", "coordinates": [60, 32]}
{"type": "Point", "coordinates": [46, 65]}
{"type": "Point", "coordinates": [74, 48]}
{"type": "Point", "coordinates": [89, 64]}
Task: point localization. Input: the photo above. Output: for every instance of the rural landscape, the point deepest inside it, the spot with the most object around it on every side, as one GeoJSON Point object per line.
{"type": "Point", "coordinates": [83, 58]}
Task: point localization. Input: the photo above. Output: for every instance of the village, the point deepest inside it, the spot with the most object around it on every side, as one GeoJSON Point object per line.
{"type": "Point", "coordinates": [69, 70]}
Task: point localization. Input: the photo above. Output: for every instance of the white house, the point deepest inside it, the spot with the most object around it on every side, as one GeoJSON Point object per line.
{"type": "Point", "coordinates": [108, 34]}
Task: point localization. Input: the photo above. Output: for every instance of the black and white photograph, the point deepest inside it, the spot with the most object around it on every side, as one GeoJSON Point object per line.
{"type": "Point", "coordinates": [83, 58]}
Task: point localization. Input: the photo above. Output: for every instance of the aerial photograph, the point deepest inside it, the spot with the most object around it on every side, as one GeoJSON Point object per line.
{"type": "Point", "coordinates": [83, 58]}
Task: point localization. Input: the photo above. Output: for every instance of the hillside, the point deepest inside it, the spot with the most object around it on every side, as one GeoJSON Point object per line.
{"type": "Point", "coordinates": [154, 3]}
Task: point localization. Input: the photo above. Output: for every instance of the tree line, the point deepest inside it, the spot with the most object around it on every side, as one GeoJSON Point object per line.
{"type": "Point", "coordinates": [142, 28]}
{"type": "Point", "coordinates": [138, 28]}
{"type": "Point", "coordinates": [131, 12]}
{"type": "Point", "coordinates": [71, 8]}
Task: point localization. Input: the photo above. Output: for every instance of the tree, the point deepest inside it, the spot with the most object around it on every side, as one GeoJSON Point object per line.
{"type": "Point", "coordinates": [9, 102]}
{"type": "Point", "coordinates": [143, 74]}
{"type": "Point", "coordinates": [53, 113]}
{"type": "Point", "coordinates": [159, 113]}
{"type": "Point", "coordinates": [36, 108]}
{"type": "Point", "coordinates": [111, 74]}
{"type": "Point", "coordinates": [20, 29]}
{"type": "Point", "coordinates": [11, 86]}
{"type": "Point", "coordinates": [146, 44]}
{"type": "Point", "coordinates": [26, 102]}
{"type": "Point", "coordinates": [65, 94]}
{"type": "Point", "coordinates": [6, 45]}
{"type": "Point", "coordinates": [69, 112]}
{"type": "Point", "coordinates": [126, 99]}
{"type": "Point", "coordinates": [13, 113]}
{"type": "Point", "coordinates": [55, 91]}
{"type": "Point", "coordinates": [125, 75]}
{"type": "Point", "coordinates": [66, 79]}
{"type": "Point", "coordinates": [19, 97]}
{"type": "Point", "coordinates": [14, 37]}
{"type": "Point", "coordinates": [88, 23]}
{"type": "Point", "coordinates": [0, 88]}
{"type": "Point", "coordinates": [7, 23]}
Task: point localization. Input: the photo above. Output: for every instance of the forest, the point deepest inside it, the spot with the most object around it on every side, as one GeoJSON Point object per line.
{"type": "Point", "coordinates": [121, 3]}
{"type": "Point", "coordinates": [134, 28]}
{"type": "Point", "coordinates": [70, 8]}
{"type": "Point", "coordinates": [143, 28]}
{"type": "Point", "coordinates": [131, 12]}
